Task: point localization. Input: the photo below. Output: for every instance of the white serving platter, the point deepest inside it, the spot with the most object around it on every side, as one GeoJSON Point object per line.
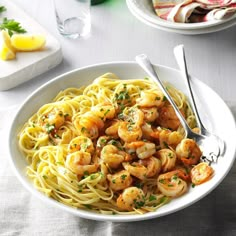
{"type": "Point", "coordinates": [27, 65]}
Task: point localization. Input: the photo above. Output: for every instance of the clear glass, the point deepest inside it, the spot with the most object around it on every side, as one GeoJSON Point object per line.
{"type": "Point", "coordinates": [73, 17]}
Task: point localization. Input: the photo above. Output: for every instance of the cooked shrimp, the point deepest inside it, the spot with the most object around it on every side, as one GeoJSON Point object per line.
{"type": "Point", "coordinates": [152, 164]}
{"type": "Point", "coordinates": [168, 159]}
{"type": "Point", "coordinates": [93, 118]}
{"type": "Point", "coordinates": [66, 135]}
{"type": "Point", "coordinates": [78, 158]}
{"type": "Point", "coordinates": [81, 143]}
{"type": "Point", "coordinates": [136, 169]}
{"type": "Point", "coordinates": [120, 180]}
{"type": "Point", "coordinates": [201, 173]}
{"type": "Point", "coordinates": [142, 149]}
{"type": "Point", "coordinates": [93, 121]}
{"type": "Point", "coordinates": [144, 168]}
{"type": "Point", "coordinates": [87, 169]}
{"type": "Point", "coordinates": [112, 156]}
{"type": "Point", "coordinates": [150, 114]}
{"type": "Point", "coordinates": [61, 136]}
{"type": "Point", "coordinates": [80, 163]}
{"type": "Point", "coordinates": [133, 115]}
{"type": "Point", "coordinates": [104, 111]}
{"type": "Point", "coordinates": [131, 198]}
{"type": "Point", "coordinates": [171, 185]}
{"type": "Point", "coordinates": [54, 118]}
{"type": "Point", "coordinates": [149, 132]}
{"type": "Point", "coordinates": [169, 139]}
{"type": "Point", "coordinates": [112, 130]}
{"type": "Point", "coordinates": [146, 150]}
{"type": "Point", "coordinates": [104, 169]}
{"type": "Point", "coordinates": [150, 99]}
{"type": "Point", "coordinates": [188, 151]}
{"type": "Point", "coordinates": [86, 127]}
{"type": "Point", "coordinates": [168, 118]}
{"type": "Point", "coordinates": [129, 133]}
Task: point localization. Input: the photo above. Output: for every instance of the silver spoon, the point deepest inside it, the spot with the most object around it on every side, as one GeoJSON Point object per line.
{"type": "Point", "coordinates": [208, 144]}
{"type": "Point", "coordinates": [180, 58]}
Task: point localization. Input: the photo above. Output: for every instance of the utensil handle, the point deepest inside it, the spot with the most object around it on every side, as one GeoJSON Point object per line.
{"type": "Point", "coordinates": [145, 63]}
{"type": "Point", "coordinates": [180, 58]}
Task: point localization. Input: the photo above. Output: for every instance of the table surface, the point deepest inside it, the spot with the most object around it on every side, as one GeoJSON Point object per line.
{"type": "Point", "coordinates": [118, 36]}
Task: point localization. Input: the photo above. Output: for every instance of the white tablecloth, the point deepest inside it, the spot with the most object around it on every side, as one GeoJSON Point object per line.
{"type": "Point", "coordinates": [24, 214]}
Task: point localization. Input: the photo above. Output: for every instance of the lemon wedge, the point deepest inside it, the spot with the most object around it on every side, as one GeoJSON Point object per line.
{"type": "Point", "coordinates": [28, 43]}
{"type": "Point", "coordinates": [7, 52]}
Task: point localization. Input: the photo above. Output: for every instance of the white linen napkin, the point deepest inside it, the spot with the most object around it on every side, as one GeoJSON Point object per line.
{"type": "Point", "coordinates": [192, 11]}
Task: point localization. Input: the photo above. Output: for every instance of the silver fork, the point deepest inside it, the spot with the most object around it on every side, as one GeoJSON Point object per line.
{"type": "Point", "coordinates": [181, 61]}
{"type": "Point", "coordinates": [208, 144]}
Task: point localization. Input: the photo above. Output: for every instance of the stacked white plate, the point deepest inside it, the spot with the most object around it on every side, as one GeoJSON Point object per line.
{"type": "Point", "coordinates": [144, 11]}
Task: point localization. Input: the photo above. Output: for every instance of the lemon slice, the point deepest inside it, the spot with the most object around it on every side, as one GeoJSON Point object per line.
{"type": "Point", "coordinates": [28, 43]}
{"type": "Point", "coordinates": [7, 52]}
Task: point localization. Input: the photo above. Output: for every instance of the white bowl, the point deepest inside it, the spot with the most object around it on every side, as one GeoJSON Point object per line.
{"type": "Point", "coordinates": [145, 12]}
{"type": "Point", "coordinates": [217, 118]}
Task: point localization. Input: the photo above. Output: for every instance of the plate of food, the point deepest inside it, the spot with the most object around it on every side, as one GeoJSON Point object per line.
{"type": "Point", "coordinates": [151, 12]}
{"type": "Point", "coordinates": [103, 143]}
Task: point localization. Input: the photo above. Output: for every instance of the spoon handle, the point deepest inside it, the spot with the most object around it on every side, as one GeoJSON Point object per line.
{"type": "Point", "coordinates": [144, 62]}
{"type": "Point", "coordinates": [180, 58]}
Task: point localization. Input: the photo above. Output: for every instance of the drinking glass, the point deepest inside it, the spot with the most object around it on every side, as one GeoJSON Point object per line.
{"type": "Point", "coordinates": [73, 17]}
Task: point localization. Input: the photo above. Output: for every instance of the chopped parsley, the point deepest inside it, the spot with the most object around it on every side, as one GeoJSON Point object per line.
{"type": "Point", "coordinates": [139, 204]}
{"type": "Point", "coordinates": [123, 95]}
{"type": "Point", "coordinates": [86, 173]}
{"type": "Point", "coordinates": [162, 200]}
{"type": "Point", "coordinates": [165, 144]}
{"type": "Point", "coordinates": [83, 129]}
{"type": "Point", "coordinates": [123, 177]}
{"type": "Point", "coordinates": [103, 140]}
{"type": "Point", "coordinates": [107, 111]}
{"type": "Point", "coordinates": [93, 176]}
{"type": "Point", "coordinates": [170, 155]}
{"type": "Point", "coordinates": [152, 198]}
{"type": "Point", "coordinates": [84, 146]}
{"type": "Point", "coordinates": [175, 177]}
{"type": "Point", "coordinates": [49, 128]}
{"type": "Point", "coordinates": [88, 206]}
{"type": "Point", "coordinates": [59, 163]}
{"type": "Point", "coordinates": [139, 185]}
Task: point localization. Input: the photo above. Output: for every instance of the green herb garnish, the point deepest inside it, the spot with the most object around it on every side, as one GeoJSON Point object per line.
{"type": "Point", "coordinates": [123, 177]}
{"type": "Point", "coordinates": [152, 198]}
{"type": "Point", "coordinates": [11, 26]}
{"type": "Point", "coordinates": [49, 128]}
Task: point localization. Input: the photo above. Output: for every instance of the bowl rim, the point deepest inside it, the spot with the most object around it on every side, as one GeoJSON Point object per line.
{"type": "Point", "coordinates": [89, 214]}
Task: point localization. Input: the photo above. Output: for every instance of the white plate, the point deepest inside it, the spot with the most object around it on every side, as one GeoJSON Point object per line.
{"type": "Point", "coordinates": [188, 31]}
{"type": "Point", "coordinates": [27, 65]}
{"type": "Point", "coordinates": [217, 118]}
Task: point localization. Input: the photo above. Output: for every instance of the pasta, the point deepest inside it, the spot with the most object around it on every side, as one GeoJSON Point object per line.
{"type": "Point", "coordinates": [114, 147]}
